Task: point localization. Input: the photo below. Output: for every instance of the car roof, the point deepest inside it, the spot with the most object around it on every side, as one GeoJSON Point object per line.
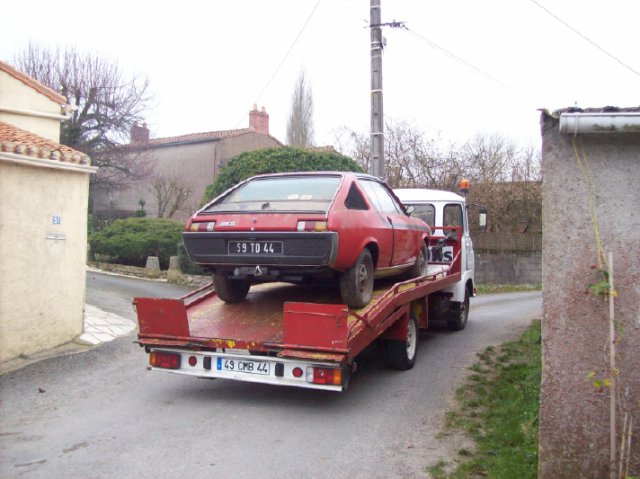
{"type": "Point", "coordinates": [315, 173]}
{"type": "Point", "coordinates": [426, 195]}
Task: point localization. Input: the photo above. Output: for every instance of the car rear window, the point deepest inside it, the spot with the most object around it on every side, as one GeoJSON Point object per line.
{"type": "Point", "coordinates": [291, 193]}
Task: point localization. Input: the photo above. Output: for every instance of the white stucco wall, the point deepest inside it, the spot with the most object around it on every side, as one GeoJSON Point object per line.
{"type": "Point", "coordinates": [42, 281]}
{"type": "Point", "coordinates": [17, 95]}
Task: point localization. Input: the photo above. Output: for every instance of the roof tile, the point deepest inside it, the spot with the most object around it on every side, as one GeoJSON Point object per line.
{"type": "Point", "coordinates": [21, 142]}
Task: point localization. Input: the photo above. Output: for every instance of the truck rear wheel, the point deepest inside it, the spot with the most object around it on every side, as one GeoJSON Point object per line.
{"type": "Point", "coordinates": [459, 313]}
{"type": "Point", "coordinates": [402, 354]}
{"type": "Point", "coordinates": [356, 284]}
{"type": "Point", "coordinates": [230, 290]}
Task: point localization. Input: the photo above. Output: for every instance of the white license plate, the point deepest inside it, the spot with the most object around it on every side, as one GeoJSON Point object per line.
{"type": "Point", "coordinates": [243, 366]}
{"type": "Point", "coordinates": [255, 247]}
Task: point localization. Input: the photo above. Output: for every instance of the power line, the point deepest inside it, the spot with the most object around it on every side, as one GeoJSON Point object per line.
{"type": "Point", "coordinates": [286, 55]}
{"type": "Point", "coordinates": [610, 55]}
{"type": "Point", "coordinates": [455, 57]}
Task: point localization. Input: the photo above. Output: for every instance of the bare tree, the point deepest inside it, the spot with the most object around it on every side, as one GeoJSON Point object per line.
{"type": "Point", "coordinates": [300, 123]}
{"type": "Point", "coordinates": [105, 105]}
{"type": "Point", "coordinates": [170, 194]}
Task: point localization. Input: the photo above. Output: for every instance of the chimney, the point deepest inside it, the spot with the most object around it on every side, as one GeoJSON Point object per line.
{"type": "Point", "coordinates": [259, 120]}
{"type": "Point", "coordinates": [139, 133]}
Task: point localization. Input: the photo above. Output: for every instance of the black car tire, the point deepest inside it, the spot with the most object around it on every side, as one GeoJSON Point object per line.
{"type": "Point", "coordinates": [356, 284]}
{"type": "Point", "coordinates": [422, 262]}
{"type": "Point", "coordinates": [230, 290]}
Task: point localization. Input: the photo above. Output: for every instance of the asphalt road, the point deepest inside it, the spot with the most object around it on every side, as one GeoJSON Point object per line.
{"type": "Point", "coordinates": [101, 414]}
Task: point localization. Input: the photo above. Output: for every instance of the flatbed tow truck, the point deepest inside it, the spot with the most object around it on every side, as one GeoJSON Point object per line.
{"type": "Point", "coordinates": [290, 335]}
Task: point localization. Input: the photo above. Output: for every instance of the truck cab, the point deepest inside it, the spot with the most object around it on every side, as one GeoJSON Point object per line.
{"type": "Point", "coordinates": [447, 215]}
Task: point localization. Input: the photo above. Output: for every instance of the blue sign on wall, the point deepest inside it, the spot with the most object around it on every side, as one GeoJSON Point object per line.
{"type": "Point", "coordinates": [55, 220]}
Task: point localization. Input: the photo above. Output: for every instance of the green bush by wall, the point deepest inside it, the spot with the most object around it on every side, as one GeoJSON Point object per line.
{"type": "Point", "coordinates": [129, 241]}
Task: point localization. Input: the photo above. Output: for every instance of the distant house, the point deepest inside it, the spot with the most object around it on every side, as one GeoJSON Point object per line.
{"type": "Point", "coordinates": [179, 168]}
{"type": "Point", "coordinates": [44, 190]}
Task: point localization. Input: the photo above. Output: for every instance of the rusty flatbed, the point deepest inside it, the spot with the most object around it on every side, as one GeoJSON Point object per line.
{"type": "Point", "coordinates": [282, 328]}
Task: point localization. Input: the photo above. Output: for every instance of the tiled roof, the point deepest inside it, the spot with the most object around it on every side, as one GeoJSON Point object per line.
{"type": "Point", "coordinates": [36, 85]}
{"type": "Point", "coordinates": [21, 142]}
{"type": "Point", "coordinates": [197, 137]}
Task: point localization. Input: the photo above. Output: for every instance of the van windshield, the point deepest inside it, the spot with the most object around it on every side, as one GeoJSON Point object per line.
{"type": "Point", "coordinates": [426, 212]}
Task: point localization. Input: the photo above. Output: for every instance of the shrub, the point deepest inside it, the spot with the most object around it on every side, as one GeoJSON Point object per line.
{"type": "Point", "coordinates": [186, 265]}
{"type": "Point", "coordinates": [276, 160]}
{"type": "Point", "coordinates": [129, 241]}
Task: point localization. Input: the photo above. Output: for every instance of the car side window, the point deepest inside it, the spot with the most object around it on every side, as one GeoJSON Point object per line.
{"type": "Point", "coordinates": [380, 197]}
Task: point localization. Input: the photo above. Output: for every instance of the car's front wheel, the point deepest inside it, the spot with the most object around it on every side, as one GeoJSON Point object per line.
{"type": "Point", "coordinates": [356, 284]}
{"type": "Point", "coordinates": [230, 290]}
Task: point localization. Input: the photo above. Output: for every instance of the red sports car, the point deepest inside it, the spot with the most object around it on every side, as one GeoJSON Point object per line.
{"type": "Point", "coordinates": [296, 227]}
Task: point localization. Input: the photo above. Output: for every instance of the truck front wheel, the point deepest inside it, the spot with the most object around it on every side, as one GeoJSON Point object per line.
{"type": "Point", "coordinates": [230, 290]}
{"type": "Point", "coordinates": [459, 313]}
{"type": "Point", "coordinates": [402, 354]}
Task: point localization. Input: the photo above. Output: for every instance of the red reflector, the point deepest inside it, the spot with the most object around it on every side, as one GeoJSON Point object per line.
{"type": "Point", "coordinates": [159, 359]}
{"type": "Point", "coordinates": [327, 376]}
{"type": "Point", "coordinates": [297, 372]}
{"type": "Point", "coordinates": [193, 360]}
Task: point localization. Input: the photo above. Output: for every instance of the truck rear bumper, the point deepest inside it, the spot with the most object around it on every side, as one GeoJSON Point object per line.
{"type": "Point", "coordinates": [240, 366]}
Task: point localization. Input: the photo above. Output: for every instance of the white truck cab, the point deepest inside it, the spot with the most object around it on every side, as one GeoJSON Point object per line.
{"type": "Point", "coordinates": [442, 208]}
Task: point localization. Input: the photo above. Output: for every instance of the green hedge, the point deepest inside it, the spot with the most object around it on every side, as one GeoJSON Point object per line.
{"type": "Point", "coordinates": [129, 241]}
{"type": "Point", "coordinates": [276, 160]}
{"type": "Point", "coordinates": [186, 265]}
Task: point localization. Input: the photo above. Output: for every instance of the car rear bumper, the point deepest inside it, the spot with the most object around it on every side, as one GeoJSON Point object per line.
{"type": "Point", "coordinates": [299, 249]}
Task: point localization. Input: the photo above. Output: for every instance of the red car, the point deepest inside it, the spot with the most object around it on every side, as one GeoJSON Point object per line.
{"type": "Point", "coordinates": [297, 227]}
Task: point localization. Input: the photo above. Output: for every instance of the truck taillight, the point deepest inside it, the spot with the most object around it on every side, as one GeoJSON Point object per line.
{"type": "Point", "coordinates": [318, 375]}
{"type": "Point", "coordinates": [312, 226]}
{"type": "Point", "coordinates": [159, 359]}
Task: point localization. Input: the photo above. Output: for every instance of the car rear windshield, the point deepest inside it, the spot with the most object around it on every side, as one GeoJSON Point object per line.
{"type": "Point", "coordinates": [290, 193]}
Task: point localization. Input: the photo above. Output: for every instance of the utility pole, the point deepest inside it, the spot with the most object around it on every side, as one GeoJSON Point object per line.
{"type": "Point", "coordinates": [376, 167]}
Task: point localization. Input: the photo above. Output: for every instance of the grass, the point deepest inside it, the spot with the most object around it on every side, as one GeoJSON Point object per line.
{"type": "Point", "coordinates": [507, 288]}
{"type": "Point", "coordinates": [498, 407]}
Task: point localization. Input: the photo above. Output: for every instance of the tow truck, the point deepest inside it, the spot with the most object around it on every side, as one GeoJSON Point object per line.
{"type": "Point", "coordinates": [290, 335]}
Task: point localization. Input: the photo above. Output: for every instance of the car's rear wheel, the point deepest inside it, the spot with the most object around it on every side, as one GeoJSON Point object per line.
{"type": "Point", "coordinates": [422, 261]}
{"type": "Point", "coordinates": [356, 284]}
{"type": "Point", "coordinates": [230, 290]}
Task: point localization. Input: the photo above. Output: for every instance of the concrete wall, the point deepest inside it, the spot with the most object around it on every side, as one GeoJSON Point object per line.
{"type": "Point", "coordinates": [508, 268]}
{"type": "Point", "coordinates": [574, 414]}
{"type": "Point", "coordinates": [42, 281]}
{"type": "Point", "coordinates": [16, 94]}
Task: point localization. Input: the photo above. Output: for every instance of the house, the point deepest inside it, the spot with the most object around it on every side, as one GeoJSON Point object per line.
{"type": "Point", "coordinates": [179, 168]}
{"type": "Point", "coordinates": [44, 188]}
{"type": "Point", "coordinates": [591, 225]}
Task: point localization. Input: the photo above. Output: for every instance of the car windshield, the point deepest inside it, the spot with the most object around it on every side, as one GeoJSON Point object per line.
{"type": "Point", "coordinates": [289, 193]}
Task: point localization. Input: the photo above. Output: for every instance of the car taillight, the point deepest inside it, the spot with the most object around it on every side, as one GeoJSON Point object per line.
{"type": "Point", "coordinates": [200, 227]}
{"type": "Point", "coordinates": [317, 375]}
{"type": "Point", "coordinates": [159, 359]}
{"type": "Point", "coordinates": [312, 226]}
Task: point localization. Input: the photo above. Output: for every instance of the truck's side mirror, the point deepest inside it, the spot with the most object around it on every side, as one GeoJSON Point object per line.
{"type": "Point", "coordinates": [482, 219]}
{"type": "Point", "coordinates": [409, 209]}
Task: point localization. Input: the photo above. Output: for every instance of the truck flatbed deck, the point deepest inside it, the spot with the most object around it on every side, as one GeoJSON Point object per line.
{"type": "Point", "coordinates": [281, 333]}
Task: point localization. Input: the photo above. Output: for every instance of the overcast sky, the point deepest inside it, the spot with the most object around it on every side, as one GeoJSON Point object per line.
{"type": "Point", "coordinates": [462, 67]}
